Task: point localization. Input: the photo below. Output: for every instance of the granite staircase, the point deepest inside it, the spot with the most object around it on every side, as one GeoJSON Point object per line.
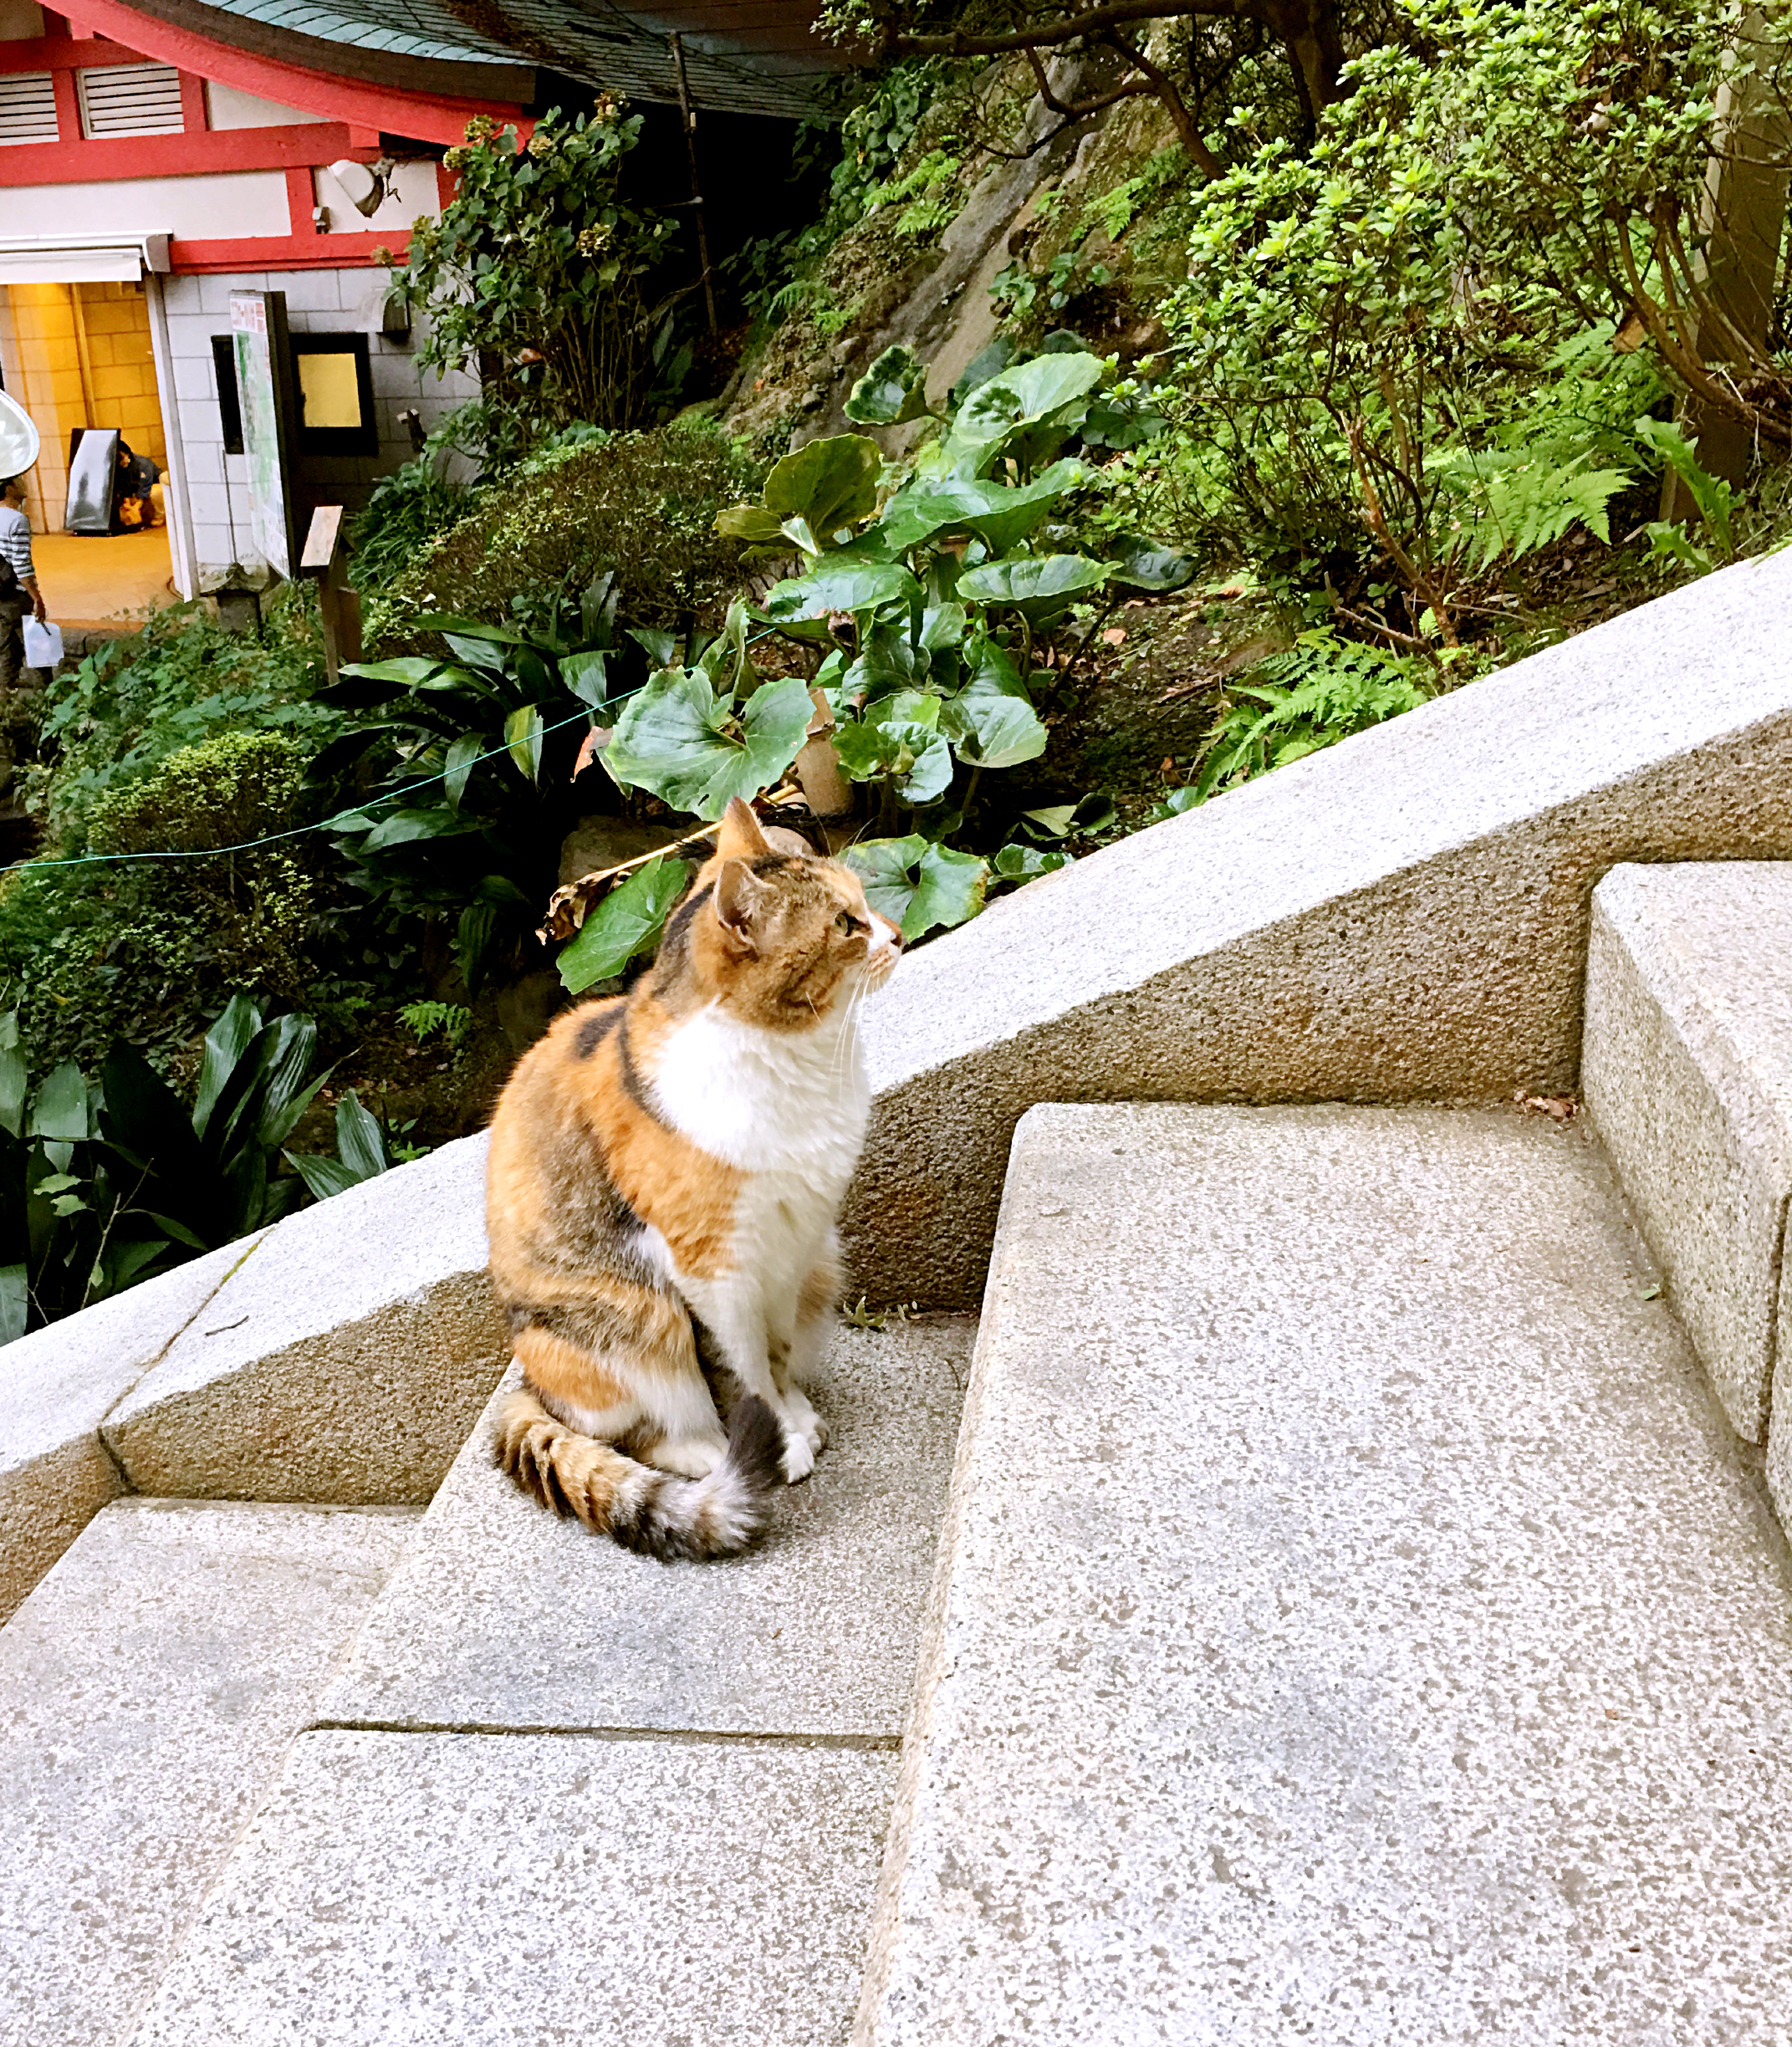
{"type": "Point", "coordinates": [1355, 1609]}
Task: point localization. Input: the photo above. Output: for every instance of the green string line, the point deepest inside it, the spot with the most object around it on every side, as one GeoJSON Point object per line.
{"type": "Point", "coordinates": [298, 831]}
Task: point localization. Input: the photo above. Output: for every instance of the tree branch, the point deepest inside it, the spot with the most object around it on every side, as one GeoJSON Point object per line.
{"type": "Point", "coordinates": [1050, 34]}
{"type": "Point", "coordinates": [1173, 102]}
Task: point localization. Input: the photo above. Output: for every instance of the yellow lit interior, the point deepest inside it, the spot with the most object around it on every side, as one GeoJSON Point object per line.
{"type": "Point", "coordinates": [329, 392]}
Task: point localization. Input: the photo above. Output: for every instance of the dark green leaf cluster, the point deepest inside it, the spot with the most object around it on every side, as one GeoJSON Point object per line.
{"type": "Point", "coordinates": [101, 1186]}
{"type": "Point", "coordinates": [925, 587]}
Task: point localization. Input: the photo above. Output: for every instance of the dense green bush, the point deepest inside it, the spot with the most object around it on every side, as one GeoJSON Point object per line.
{"type": "Point", "coordinates": [640, 507]}
{"type": "Point", "coordinates": [182, 679]}
{"type": "Point", "coordinates": [537, 274]}
{"type": "Point", "coordinates": [146, 949]}
{"type": "Point", "coordinates": [1372, 335]}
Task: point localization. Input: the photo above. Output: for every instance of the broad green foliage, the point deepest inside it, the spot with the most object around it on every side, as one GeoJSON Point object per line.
{"type": "Point", "coordinates": [102, 1185]}
{"type": "Point", "coordinates": [1357, 321]}
{"type": "Point", "coordinates": [625, 925]}
{"type": "Point", "coordinates": [478, 750]}
{"type": "Point", "coordinates": [361, 1152]}
{"type": "Point", "coordinates": [917, 884]}
{"type": "Point", "coordinates": [890, 393]}
{"type": "Point", "coordinates": [694, 746]}
{"type": "Point", "coordinates": [929, 591]}
{"type": "Point", "coordinates": [538, 264]}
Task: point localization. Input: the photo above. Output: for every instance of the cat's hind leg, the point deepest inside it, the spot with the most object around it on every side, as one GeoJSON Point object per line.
{"type": "Point", "coordinates": [629, 1378]}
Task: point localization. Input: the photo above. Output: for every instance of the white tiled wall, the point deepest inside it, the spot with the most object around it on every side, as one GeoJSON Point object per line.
{"type": "Point", "coordinates": [317, 302]}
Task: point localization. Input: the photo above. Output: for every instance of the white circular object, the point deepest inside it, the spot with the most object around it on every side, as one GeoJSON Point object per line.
{"type": "Point", "coordinates": [19, 442]}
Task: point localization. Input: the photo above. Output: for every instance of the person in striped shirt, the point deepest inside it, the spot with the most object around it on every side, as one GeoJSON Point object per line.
{"type": "Point", "coordinates": [19, 591]}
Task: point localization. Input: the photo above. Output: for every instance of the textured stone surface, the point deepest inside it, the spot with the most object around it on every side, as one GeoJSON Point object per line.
{"type": "Point", "coordinates": [1359, 1625]}
{"type": "Point", "coordinates": [148, 1690]}
{"type": "Point", "coordinates": [347, 1361]}
{"type": "Point", "coordinates": [504, 1616]}
{"type": "Point", "coordinates": [60, 1382]}
{"type": "Point", "coordinates": [1401, 917]}
{"type": "Point", "coordinates": [1688, 1075]}
{"type": "Point", "coordinates": [532, 1890]}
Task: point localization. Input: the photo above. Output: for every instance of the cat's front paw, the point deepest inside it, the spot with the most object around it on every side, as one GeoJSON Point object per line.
{"type": "Point", "coordinates": [800, 1419]}
{"type": "Point", "coordinates": [799, 1459]}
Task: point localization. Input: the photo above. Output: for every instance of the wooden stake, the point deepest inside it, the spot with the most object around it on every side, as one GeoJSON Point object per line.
{"type": "Point", "coordinates": [689, 113]}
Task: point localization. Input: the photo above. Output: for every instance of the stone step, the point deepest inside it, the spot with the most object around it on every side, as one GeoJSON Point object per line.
{"type": "Point", "coordinates": [1687, 1072]}
{"type": "Point", "coordinates": [149, 1688]}
{"type": "Point", "coordinates": [561, 1791]}
{"type": "Point", "coordinates": [1356, 1621]}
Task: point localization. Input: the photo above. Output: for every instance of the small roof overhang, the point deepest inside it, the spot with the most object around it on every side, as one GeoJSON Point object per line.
{"type": "Point", "coordinates": [80, 259]}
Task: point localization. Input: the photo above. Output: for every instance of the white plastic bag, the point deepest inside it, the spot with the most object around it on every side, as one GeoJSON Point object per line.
{"type": "Point", "coordinates": [42, 644]}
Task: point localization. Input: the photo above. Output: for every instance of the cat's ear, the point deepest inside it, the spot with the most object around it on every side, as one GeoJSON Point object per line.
{"type": "Point", "coordinates": [740, 895]}
{"type": "Point", "coordinates": [740, 838]}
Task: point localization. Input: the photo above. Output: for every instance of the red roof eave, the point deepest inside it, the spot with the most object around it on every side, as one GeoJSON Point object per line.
{"type": "Point", "coordinates": [422, 117]}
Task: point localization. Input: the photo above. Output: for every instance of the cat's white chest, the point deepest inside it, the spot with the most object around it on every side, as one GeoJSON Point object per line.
{"type": "Point", "coordinates": [768, 1102]}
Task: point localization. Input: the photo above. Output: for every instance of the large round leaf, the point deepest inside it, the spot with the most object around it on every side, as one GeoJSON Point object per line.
{"type": "Point", "coordinates": [997, 515]}
{"type": "Point", "coordinates": [855, 586]}
{"type": "Point", "coordinates": [916, 753]}
{"type": "Point", "coordinates": [830, 484]}
{"type": "Point", "coordinates": [625, 925]}
{"type": "Point", "coordinates": [892, 392]}
{"type": "Point", "coordinates": [998, 410]}
{"type": "Point", "coordinates": [1038, 586]}
{"type": "Point", "coordinates": [917, 885]}
{"type": "Point", "coordinates": [1146, 564]}
{"type": "Point", "coordinates": [678, 739]}
{"type": "Point", "coordinates": [990, 728]}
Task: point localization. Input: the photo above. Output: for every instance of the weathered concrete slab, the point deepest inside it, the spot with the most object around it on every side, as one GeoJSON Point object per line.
{"type": "Point", "coordinates": [503, 1616]}
{"type": "Point", "coordinates": [518, 1891]}
{"type": "Point", "coordinates": [60, 1383]}
{"type": "Point", "coordinates": [1358, 1625]}
{"type": "Point", "coordinates": [1401, 917]}
{"type": "Point", "coordinates": [347, 1361]}
{"type": "Point", "coordinates": [148, 1690]}
{"type": "Point", "coordinates": [1688, 1074]}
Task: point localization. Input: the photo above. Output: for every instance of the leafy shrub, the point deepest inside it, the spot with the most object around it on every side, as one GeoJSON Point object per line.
{"type": "Point", "coordinates": [1360, 323]}
{"type": "Point", "coordinates": [181, 680]}
{"type": "Point", "coordinates": [536, 274]}
{"type": "Point", "coordinates": [145, 948]}
{"type": "Point", "coordinates": [640, 507]}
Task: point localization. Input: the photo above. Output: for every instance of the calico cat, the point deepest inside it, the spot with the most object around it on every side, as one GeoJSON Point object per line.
{"type": "Point", "coordinates": [668, 1164]}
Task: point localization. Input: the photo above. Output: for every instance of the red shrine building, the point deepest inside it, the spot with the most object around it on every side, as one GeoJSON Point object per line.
{"type": "Point", "coordinates": [145, 172]}
{"type": "Point", "coordinates": [156, 157]}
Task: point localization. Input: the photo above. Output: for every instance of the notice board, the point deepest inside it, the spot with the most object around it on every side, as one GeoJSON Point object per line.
{"type": "Point", "coordinates": [264, 392]}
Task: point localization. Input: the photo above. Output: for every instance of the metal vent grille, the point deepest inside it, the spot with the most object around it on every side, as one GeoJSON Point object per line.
{"type": "Point", "coordinates": [130, 100]}
{"type": "Point", "coordinates": [28, 108]}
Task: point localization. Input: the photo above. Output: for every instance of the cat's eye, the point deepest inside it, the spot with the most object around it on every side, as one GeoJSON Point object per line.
{"type": "Point", "coordinates": [846, 922]}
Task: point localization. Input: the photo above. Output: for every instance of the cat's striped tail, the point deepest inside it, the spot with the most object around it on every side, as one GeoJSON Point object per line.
{"type": "Point", "coordinates": [653, 1512]}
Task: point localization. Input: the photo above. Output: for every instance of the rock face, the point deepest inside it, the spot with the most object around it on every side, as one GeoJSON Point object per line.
{"type": "Point", "coordinates": [596, 843]}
